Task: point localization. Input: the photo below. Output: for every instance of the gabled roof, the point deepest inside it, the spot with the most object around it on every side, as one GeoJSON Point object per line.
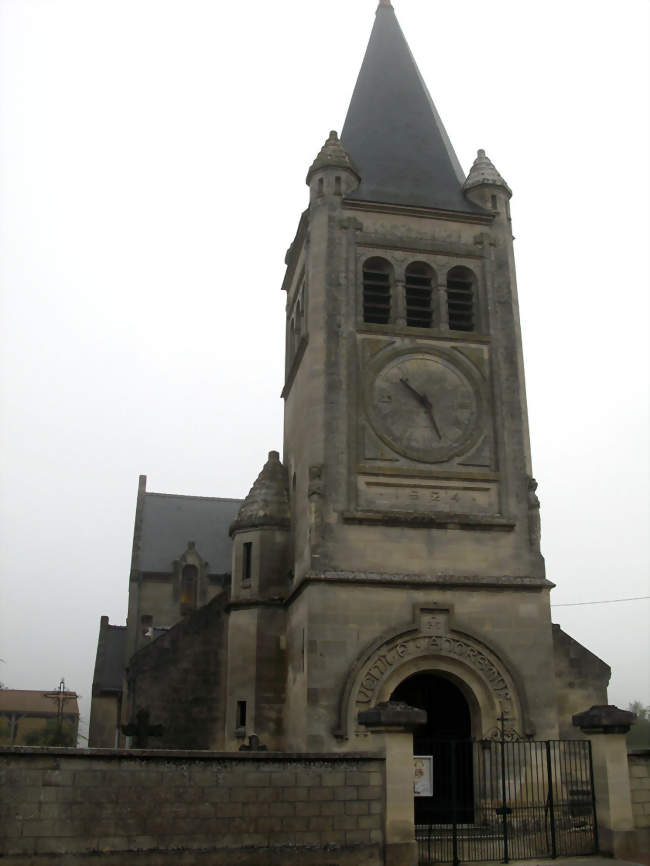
{"type": "Point", "coordinates": [393, 132]}
{"type": "Point", "coordinates": [109, 662]}
{"type": "Point", "coordinates": [37, 702]}
{"type": "Point", "coordinates": [169, 522]}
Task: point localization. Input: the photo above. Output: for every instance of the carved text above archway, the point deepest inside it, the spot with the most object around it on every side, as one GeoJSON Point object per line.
{"type": "Point", "coordinates": [395, 653]}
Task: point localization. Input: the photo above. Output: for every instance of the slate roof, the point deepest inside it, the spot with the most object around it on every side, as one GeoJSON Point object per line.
{"type": "Point", "coordinates": [170, 521]}
{"type": "Point", "coordinates": [109, 662]}
{"type": "Point", "coordinates": [393, 132]}
{"type": "Point", "coordinates": [35, 702]}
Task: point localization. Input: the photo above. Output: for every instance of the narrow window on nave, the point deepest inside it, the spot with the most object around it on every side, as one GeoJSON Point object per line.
{"type": "Point", "coordinates": [146, 624]}
{"type": "Point", "coordinates": [189, 578]}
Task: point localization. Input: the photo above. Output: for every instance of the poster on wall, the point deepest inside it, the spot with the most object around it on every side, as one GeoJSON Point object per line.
{"type": "Point", "coordinates": [423, 775]}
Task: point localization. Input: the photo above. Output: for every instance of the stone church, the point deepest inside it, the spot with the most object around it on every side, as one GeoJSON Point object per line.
{"type": "Point", "coordinates": [393, 551]}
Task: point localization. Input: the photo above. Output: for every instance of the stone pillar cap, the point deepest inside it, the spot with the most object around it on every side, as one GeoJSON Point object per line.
{"type": "Point", "coordinates": [604, 719]}
{"type": "Point", "coordinates": [393, 714]}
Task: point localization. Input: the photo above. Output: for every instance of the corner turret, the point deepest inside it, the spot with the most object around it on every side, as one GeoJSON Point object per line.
{"type": "Point", "coordinates": [484, 185]}
{"type": "Point", "coordinates": [260, 535]}
{"type": "Point", "coordinates": [257, 623]}
{"type": "Point", "coordinates": [332, 172]}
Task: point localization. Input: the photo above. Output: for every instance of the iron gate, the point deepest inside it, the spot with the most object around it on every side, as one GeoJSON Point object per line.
{"type": "Point", "coordinates": [500, 800]}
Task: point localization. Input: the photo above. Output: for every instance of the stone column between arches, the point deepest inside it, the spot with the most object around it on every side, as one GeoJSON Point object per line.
{"type": "Point", "coordinates": [430, 644]}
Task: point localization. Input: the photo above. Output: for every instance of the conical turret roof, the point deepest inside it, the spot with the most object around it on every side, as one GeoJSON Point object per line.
{"type": "Point", "coordinates": [393, 132]}
{"type": "Point", "coordinates": [332, 155]}
{"type": "Point", "coordinates": [483, 171]}
{"type": "Point", "coordinates": [267, 503]}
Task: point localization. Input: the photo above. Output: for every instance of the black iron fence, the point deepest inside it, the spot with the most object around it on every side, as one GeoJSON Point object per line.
{"type": "Point", "coordinates": [500, 800]}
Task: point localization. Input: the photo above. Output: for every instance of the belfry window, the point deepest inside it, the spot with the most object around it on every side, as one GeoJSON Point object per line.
{"type": "Point", "coordinates": [460, 299]}
{"type": "Point", "coordinates": [376, 291]}
{"type": "Point", "coordinates": [418, 285]}
{"type": "Point", "coordinates": [189, 577]}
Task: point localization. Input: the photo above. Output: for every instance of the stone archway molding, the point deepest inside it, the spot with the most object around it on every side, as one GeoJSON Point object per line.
{"type": "Point", "coordinates": [419, 644]}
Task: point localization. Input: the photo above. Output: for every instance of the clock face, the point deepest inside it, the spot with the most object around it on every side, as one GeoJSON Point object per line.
{"type": "Point", "coordinates": [423, 406]}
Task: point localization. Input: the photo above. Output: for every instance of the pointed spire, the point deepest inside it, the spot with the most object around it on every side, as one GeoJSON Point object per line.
{"type": "Point", "coordinates": [393, 132]}
{"type": "Point", "coordinates": [484, 172]}
{"type": "Point", "coordinates": [332, 155]}
{"type": "Point", "coordinates": [267, 503]}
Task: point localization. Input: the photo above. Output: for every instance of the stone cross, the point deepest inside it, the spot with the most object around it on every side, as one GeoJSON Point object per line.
{"type": "Point", "coordinates": [141, 730]}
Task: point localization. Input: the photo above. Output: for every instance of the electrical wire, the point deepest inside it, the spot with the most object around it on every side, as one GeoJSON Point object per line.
{"type": "Point", "coordinates": [607, 601]}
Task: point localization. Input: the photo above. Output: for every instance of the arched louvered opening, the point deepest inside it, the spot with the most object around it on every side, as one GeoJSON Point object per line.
{"type": "Point", "coordinates": [460, 299]}
{"type": "Point", "coordinates": [377, 279]}
{"type": "Point", "coordinates": [189, 578]}
{"type": "Point", "coordinates": [418, 285]}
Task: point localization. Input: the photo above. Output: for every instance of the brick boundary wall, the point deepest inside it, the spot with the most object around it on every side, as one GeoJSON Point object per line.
{"type": "Point", "coordinates": [639, 764]}
{"type": "Point", "coordinates": [90, 806]}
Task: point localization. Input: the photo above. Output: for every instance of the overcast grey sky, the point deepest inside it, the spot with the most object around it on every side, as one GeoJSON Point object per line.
{"type": "Point", "coordinates": [152, 164]}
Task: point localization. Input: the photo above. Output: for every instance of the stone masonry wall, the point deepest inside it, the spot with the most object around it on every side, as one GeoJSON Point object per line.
{"type": "Point", "coordinates": [255, 808]}
{"type": "Point", "coordinates": [639, 763]}
{"type": "Point", "coordinates": [179, 678]}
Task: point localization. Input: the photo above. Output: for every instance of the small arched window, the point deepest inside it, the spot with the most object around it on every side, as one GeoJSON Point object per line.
{"type": "Point", "coordinates": [418, 285]}
{"type": "Point", "coordinates": [189, 577]}
{"type": "Point", "coordinates": [376, 291]}
{"type": "Point", "coordinates": [460, 299]}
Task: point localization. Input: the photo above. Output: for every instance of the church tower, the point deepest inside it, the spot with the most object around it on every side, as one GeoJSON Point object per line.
{"type": "Point", "coordinates": [393, 553]}
{"type": "Point", "coordinates": [415, 524]}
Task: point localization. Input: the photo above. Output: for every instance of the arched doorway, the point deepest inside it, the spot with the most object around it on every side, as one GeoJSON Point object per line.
{"type": "Point", "coordinates": [446, 737]}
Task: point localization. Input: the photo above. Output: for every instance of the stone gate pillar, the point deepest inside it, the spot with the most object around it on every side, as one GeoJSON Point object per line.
{"type": "Point", "coordinates": [393, 723]}
{"type": "Point", "coordinates": [606, 727]}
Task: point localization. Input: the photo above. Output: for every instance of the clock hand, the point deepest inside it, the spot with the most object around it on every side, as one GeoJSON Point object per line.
{"type": "Point", "coordinates": [424, 401]}
{"type": "Point", "coordinates": [433, 420]}
{"type": "Point", "coordinates": [419, 397]}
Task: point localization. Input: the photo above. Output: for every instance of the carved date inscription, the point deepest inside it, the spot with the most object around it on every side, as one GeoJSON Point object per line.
{"type": "Point", "coordinates": [416, 496]}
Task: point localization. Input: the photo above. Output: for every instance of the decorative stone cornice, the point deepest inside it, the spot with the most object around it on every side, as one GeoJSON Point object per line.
{"type": "Point", "coordinates": [332, 155]}
{"type": "Point", "coordinates": [419, 519]}
{"type": "Point", "coordinates": [483, 172]}
{"type": "Point", "coordinates": [267, 504]}
{"type": "Point", "coordinates": [604, 719]}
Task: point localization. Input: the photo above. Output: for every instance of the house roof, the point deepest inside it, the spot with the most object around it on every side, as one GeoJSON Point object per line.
{"type": "Point", "coordinates": [394, 134]}
{"type": "Point", "coordinates": [37, 702]}
{"type": "Point", "coordinates": [109, 661]}
{"type": "Point", "coordinates": [169, 522]}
